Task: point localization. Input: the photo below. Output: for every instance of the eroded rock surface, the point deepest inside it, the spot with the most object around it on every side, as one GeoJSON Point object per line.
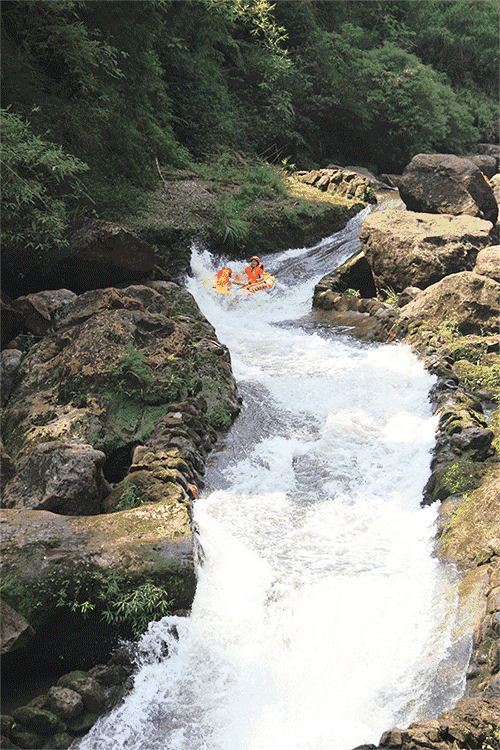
{"type": "Point", "coordinates": [447, 184]}
{"type": "Point", "coordinates": [404, 248]}
{"type": "Point", "coordinates": [470, 300]}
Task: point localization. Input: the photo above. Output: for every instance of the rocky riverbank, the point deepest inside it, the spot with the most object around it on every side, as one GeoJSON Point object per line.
{"type": "Point", "coordinates": [432, 280]}
{"type": "Point", "coordinates": [113, 396]}
{"type": "Point", "coordinates": [109, 414]}
{"type": "Point", "coordinates": [114, 390]}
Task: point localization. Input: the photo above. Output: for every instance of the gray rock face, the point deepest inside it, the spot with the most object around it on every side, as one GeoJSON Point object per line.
{"type": "Point", "coordinates": [65, 703]}
{"type": "Point", "coordinates": [62, 477]}
{"type": "Point", "coordinates": [472, 301]}
{"type": "Point", "coordinates": [487, 164]}
{"type": "Point", "coordinates": [15, 632]}
{"type": "Point", "coordinates": [488, 262]}
{"type": "Point", "coordinates": [405, 248]}
{"type": "Point", "coordinates": [11, 359]}
{"type": "Point", "coordinates": [447, 184]}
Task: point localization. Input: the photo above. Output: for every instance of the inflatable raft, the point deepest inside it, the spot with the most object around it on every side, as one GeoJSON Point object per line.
{"type": "Point", "coordinates": [241, 288]}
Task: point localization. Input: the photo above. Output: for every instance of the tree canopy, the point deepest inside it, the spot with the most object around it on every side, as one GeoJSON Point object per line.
{"type": "Point", "coordinates": [105, 89]}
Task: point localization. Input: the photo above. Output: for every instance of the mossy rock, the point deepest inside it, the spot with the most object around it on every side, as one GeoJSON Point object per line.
{"type": "Point", "coordinates": [36, 719]}
{"type": "Point", "coordinates": [455, 479]}
{"type": "Point", "coordinates": [479, 377]}
{"type": "Point", "coordinates": [474, 523]}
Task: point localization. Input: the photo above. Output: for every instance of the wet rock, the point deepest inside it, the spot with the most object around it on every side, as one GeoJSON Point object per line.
{"type": "Point", "coordinates": [59, 741]}
{"type": "Point", "coordinates": [11, 359]}
{"type": "Point", "coordinates": [65, 703]}
{"type": "Point", "coordinates": [83, 723]}
{"type": "Point", "coordinates": [475, 440]}
{"type": "Point", "coordinates": [36, 719]}
{"type": "Point", "coordinates": [447, 184]}
{"type": "Point", "coordinates": [404, 248]}
{"type": "Point", "coordinates": [16, 632]}
{"type": "Point", "coordinates": [25, 738]}
{"type": "Point", "coordinates": [87, 687]}
{"type": "Point", "coordinates": [354, 274]}
{"type": "Point", "coordinates": [62, 477]}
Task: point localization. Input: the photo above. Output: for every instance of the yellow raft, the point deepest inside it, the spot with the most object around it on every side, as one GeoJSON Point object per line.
{"type": "Point", "coordinates": [266, 283]}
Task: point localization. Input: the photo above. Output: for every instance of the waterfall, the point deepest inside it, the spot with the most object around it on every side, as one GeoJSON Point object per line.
{"type": "Point", "coordinates": [321, 616]}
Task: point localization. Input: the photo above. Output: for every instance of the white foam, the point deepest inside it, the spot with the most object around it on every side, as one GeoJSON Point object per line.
{"type": "Point", "coordinates": [321, 614]}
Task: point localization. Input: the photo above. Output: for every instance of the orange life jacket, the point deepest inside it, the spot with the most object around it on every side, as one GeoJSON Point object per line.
{"type": "Point", "coordinates": [223, 276]}
{"type": "Point", "coordinates": [254, 274]}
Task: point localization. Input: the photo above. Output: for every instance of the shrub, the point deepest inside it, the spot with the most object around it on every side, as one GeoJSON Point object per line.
{"type": "Point", "coordinates": [39, 186]}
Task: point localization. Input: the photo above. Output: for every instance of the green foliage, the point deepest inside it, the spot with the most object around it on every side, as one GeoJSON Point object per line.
{"type": "Point", "coordinates": [219, 418]}
{"type": "Point", "coordinates": [479, 377]}
{"type": "Point", "coordinates": [22, 598]}
{"type": "Point", "coordinates": [118, 600]}
{"type": "Point", "coordinates": [492, 741]}
{"type": "Point", "coordinates": [39, 186]}
{"type": "Point", "coordinates": [139, 607]}
{"type": "Point", "coordinates": [391, 296]}
{"type": "Point", "coordinates": [117, 85]}
{"type": "Point", "coordinates": [133, 372]}
{"type": "Point", "coordinates": [448, 330]}
{"type": "Point", "coordinates": [253, 181]}
{"type": "Point", "coordinates": [131, 497]}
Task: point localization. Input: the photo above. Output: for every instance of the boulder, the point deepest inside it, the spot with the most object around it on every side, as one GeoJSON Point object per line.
{"type": "Point", "coordinates": [447, 184]}
{"type": "Point", "coordinates": [488, 262]}
{"type": "Point", "coordinates": [35, 315]}
{"type": "Point", "coordinates": [469, 300]}
{"type": "Point", "coordinates": [111, 367]}
{"type": "Point", "coordinates": [25, 738]}
{"type": "Point", "coordinates": [349, 181]}
{"type": "Point", "coordinates": [408, 295]}
{"type": "Point", "coordinates": [103, 252]}
{"type": "Point", "coordinates": [405, 248]}
{"type": "Point", "coordinates": [495, 186]}
{"type": "Point", "coordinates": [87, 687]}
{"type": "Point", "coordinates": [487, 164]}
{"type": "Point", "coordinates": [65, 703]}
{"type": "Point", "coordinates": [36, 719]}
{"type": "Point", "coordinates": [12, 320]}
{"type": "Point", "coordinates": [490, 149]}
{"type": "Point", "coordinates": [11, 359]}
{"type": "Point", "coordinates": [98, 254]}
{"type": "Point", "coordinates": [15, 631]}
{"type": "Point", "coordinates": [7, 466]}
{"type": "Point", "coordinates": [354, 274]}
{"type": "Point", "coordinates": [61, 476]}
{"type": "Point", "coordinates": [43, 552]}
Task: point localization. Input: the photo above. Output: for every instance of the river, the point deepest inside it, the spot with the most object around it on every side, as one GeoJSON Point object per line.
{"type": "Point", "coordinates": [322, 616]}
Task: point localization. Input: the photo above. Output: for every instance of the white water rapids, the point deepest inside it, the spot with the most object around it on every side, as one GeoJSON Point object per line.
{"type": "Point", "coordinates": [321, 616]}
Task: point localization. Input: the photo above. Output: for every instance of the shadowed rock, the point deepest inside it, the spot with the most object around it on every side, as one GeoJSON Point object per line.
{"type": "Point", "coordinates": [447, 184]}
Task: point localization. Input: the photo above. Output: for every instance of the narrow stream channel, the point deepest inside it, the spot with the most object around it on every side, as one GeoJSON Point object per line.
{"type": "Point", "coordinates": [321, 617]}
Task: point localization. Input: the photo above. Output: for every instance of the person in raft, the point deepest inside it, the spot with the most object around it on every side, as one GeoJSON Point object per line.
{"type": "Point", "coordinates": [255, 270]}
{"type": "Point", "coordinates": [224, 277]}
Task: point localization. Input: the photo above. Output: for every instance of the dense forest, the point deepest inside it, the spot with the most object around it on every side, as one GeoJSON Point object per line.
{"type": "Point", "coordinates": [96, 94]}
